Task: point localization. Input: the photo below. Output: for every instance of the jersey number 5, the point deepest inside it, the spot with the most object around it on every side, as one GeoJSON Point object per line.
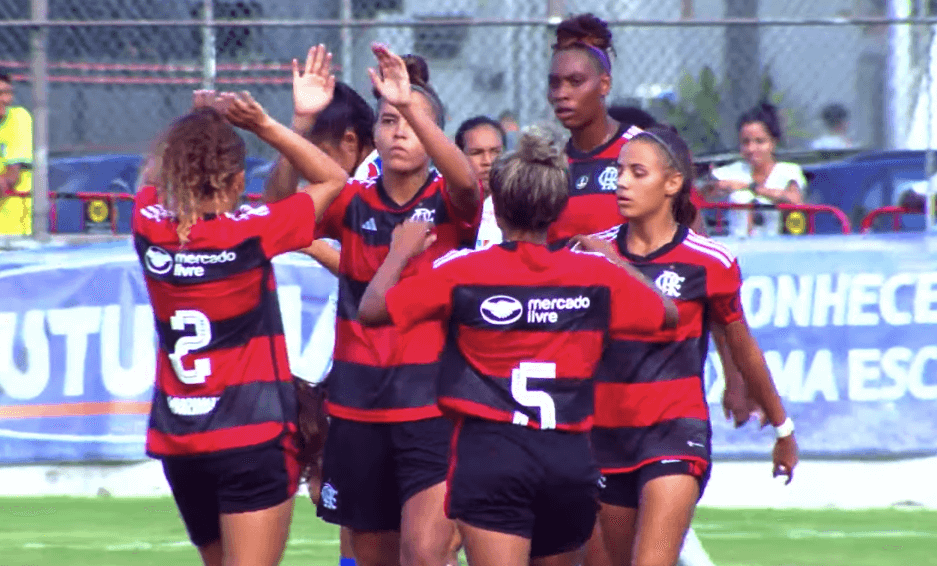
{"type": "Point", "coordinates": [186, 344]}
{"type": "Point", "coordinates": [534, 399]}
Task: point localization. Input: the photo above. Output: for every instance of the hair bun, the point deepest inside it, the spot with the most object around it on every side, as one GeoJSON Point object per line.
{"type": "Point", "coordinates": [538, 145]}
{"type": "Point", "coordinates": [585, 28]}
{"type": "Point", "coordinates": [417, 70]}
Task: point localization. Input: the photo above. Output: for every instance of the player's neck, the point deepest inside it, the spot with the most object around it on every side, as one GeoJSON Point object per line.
{"type": "Point", "coordinates": [531, 237]}
{"type": "Point", "coordinates": [594, 134]}
{"type": "Point", "coordinates": [402, 187]}
{"type": "Point", "coordinates": [647, 235]}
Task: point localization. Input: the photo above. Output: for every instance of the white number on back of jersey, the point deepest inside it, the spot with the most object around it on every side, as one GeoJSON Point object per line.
{"type": "Point", "coordinates": [534, 399]}
{"type": "Point", "coordinates": [187, 344]}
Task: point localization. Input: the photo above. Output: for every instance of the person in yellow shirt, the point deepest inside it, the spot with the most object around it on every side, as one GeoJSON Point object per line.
{"type": "Point", "coordinates": [16, 159]}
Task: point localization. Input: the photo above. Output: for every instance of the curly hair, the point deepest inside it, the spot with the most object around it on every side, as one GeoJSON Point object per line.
{"type": "Point", "coordinates": [197, 158]}
{"type": "Point", "coordinates": [589, 33]}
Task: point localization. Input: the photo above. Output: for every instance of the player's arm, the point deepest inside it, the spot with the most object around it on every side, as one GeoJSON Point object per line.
{"type": "Point", "coordinates": [326, 177]}
{"type": "Point", "coordinates": [10, 177]}
{"type": "Point", "coordinates": [312, 92]}
{"type": "Point", "coordinates": [393, 84]}
{"type": "Point", "coordinates": [410, 239]}
{"type": "Point", "coordinates": [325, 254]}
{"type": "Point", "coordinates": [596, 245]}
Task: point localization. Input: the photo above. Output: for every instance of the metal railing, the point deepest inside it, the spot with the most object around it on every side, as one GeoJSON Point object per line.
{"type": "Point", "coordinates": [800, 218]}
{"type": "Point", "coordinates": [896, 212]}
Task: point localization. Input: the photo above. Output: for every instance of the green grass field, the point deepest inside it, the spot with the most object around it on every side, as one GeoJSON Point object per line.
{"type": "Point", "coordinates": [131, 532]}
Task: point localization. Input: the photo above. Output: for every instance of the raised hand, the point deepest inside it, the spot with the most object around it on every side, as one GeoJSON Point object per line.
{"type": "Point", "coordinates": [204, 99]}
{"type": "Point", "coordinates": [314, 85]}
{"type": "Point", "coordinates": [243, 111]}
{"type": "Point", "coordinates": [390, 79]}
{"type": "Point", "coordinates": [412, 238]}
{"type": "Point", "coordinates": [785, 457]}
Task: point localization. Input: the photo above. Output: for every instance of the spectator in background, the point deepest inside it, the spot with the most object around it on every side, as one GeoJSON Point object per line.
{"type": "Point", "coordinates": [836, 119]}
{"type": "Point", "coordinates": [758, 177]}
{"type": "Point", "coordinates": [511, 129]}
{"type": "Point", "coordinates": [482, 140]}
{"type": "Point", "coordinates": [16, 158]}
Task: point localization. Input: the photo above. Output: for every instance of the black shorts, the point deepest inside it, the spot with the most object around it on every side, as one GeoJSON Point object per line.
{"type": "Point", "coordinates": [624, 489]}
{"type": "Point", "coordinates": [370, 470]}
{"type": "Point", "coordinates": [234, 481]}
{"type": "Point", "coordinates": [537, 484]}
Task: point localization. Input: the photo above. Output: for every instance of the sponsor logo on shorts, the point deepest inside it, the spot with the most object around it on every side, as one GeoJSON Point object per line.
{"type": "Point", "coordinates": [601, 482]}
{"type": "Point", "coordinates": [692, 444]}
{"type": "Point", "coordinates": [501, 309]}
{"type": "Point", "coordinates": [329, 496]}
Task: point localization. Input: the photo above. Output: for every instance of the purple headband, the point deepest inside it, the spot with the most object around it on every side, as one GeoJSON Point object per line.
{"type": "Point", "coordinates": [601, 55]}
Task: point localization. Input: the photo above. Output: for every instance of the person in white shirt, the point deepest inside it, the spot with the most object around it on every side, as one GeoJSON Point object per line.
{"type": "Point", "coordinates": [836, 119]}
{"type": "Point", "coordinates": [483, 140]}
{"type": "Point", "coordinates": [759, 177]}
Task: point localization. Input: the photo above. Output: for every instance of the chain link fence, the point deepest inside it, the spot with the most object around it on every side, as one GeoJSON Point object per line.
{"type": "Point", "coordinates": [119, 70]}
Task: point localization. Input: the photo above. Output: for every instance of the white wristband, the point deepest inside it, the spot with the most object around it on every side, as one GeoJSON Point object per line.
{"type": "Point", "coordinates": [785, 429]}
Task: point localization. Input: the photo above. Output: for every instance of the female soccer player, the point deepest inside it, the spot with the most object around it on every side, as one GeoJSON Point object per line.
{"type": "Point", "coordinates": [652, 435]}
{"type": "Point", "coordinates": [529, 323]}
{"type": "Point", "coordinates": [580, 79]}
{"type": "Point", "coordinates": [385, 457]}
{"type": "Point", "coordinates": [483, 139]}
{"type": "Point", "coordinates": [223, 414]}
{"type": "Point", "coordinates": [341, 123]}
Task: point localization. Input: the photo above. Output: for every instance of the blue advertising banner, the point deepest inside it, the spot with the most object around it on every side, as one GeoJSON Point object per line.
{"type": "Point", "coordinates": [848, 326]}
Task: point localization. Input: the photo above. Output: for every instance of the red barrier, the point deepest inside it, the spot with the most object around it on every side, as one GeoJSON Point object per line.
{"type": "Point", "coordinates": [808, 210]}
{"type": "Point", "coordinates": [895, 211]}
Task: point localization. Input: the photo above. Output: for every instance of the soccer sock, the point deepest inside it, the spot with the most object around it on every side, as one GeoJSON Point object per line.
{"type": "Point", "coordinates": [693, 553]}
{"type": "Point", "coordinates": [346, 561]}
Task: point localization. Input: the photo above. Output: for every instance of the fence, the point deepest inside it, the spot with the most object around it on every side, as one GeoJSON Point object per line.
{"type": "Point", "coordinates": [106, 75]}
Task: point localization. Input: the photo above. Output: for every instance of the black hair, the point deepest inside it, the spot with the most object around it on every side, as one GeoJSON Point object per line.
{"type": "Point", "coordinates": [676, 153]}
{"type": "Point", "coordinates": [632, 115]}
{"type": "Point", "coordinates": [5, 77]}
{"type": "Point", "coordinates": [418, 73]}
{"type": "Point", "coordinates": [764, 113]}
{"type": "Point", "coordinates": [474, 122]}
{"type": "Point", "coordinates": [588, 33]}
{"type": "Point", "coordinates": [834, 115]}
{"type": "Point", "coordinates": [530, 186]}
{"type": "Point", "coordinates": [346, 110]}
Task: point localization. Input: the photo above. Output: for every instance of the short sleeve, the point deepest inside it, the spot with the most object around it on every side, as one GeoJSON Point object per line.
{"type": "Point", "coordinates": [283, 226]}
{"type": "Point", "coordinates": [725, 286]}
{"type": "Point", "coordinates": [421, 297]}
{"type": "Point", "coordinates": [19, 139]}
{"type": "Point", "coordinates": [467, 222]}
{"type": "Point", "coordinates": [636, 308]}
{"type": "Point", "coordinates": [792, 172]}
{"type": "Point", "coordinates": [330, 226]}
{"type": "Point", "coordinates": [145, 204]}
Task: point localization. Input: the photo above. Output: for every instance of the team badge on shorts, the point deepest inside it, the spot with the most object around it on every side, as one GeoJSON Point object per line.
{"type": "Point", "coordinates": [329, 497]}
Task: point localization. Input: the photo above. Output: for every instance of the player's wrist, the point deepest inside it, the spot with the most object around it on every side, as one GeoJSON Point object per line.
{"type": "Point", "coordinates": [785, 429]}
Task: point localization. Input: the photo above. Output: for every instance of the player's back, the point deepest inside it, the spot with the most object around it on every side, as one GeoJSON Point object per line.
{"type": "Point", "coordinates": [528, 329]}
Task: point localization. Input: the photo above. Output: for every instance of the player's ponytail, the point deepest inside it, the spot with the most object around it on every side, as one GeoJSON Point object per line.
{"type": "Point", "coordinates": [530, 185]}
{"type": "Point", "coordinates": [197, 159]}
{"type": "Point", "coordinates": [675, 152]}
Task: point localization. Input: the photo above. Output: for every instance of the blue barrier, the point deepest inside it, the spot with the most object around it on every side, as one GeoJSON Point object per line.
{"type": "Point", "coordinates": [848, 324]}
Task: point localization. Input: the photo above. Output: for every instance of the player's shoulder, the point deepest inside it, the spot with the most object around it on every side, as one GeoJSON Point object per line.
{"type": "Point", "coordinates": [609, 235]}
{"type": "Point", "coordinates": [708, 251]}
{"type": "Point", "coordinates": [19, 113]}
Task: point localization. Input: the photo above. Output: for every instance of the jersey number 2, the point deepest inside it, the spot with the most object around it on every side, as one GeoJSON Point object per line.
{"type": "Point", "coordinates": [534, 399]}
{"type": "Point", "coordinates": [186, 344]}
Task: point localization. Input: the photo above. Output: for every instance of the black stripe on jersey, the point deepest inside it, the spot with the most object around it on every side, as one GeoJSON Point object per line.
{"type": "Point", "coordinates": [374, 388]}
{"type": "Point", "coordinates": [376, 225]}
{"type": "Point", "coordinates": [250, 403]}
{"type": "Point", "coordinates": [574, 398]}
{"type": "Point", "coordinates": [202, 265]}
{"type": "Point", "coordinates": [593, 177]}
{"type": "Point", "coordinates": [679, 281]}
{"type": "Point", "coordinates": [349, 297]}
{"type": "Point", "coordinates": [541, 308]}
{"type": "Point", "coordinates": [627, 361]}
{"type": "Point", "coordinates": [262, 320]}
{"type": "Point", "coordinates": [627, 447]}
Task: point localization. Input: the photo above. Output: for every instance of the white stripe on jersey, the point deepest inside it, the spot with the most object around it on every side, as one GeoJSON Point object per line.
{"type": "Point", "coordinates": [711, 245]}
{"type": "Point", "coordinates": [607, 235]}
{"type": "Point", "coordinates": [708, 251]}
{"type": "Point", "coordinates": [454, 254]}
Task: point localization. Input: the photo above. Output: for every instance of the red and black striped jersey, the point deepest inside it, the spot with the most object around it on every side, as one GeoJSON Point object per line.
{"type": "Point", "coordinates": [593, 180]}
{"type": "Point", "coordinates": [527, 328]}
{"type": "Point", "coordinates": [650, 395]}
{"type": "Point", "coordinates": [383, 374]}
{"type": "Point", "coordinates": [222, 375]}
